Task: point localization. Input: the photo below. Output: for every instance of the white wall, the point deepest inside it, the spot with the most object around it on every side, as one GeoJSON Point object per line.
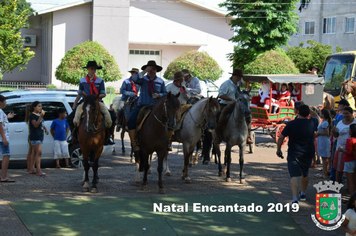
{"type": "Point", "coordinates": [71, 27]}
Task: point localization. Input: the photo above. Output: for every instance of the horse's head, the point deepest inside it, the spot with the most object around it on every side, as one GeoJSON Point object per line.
{"type": "Point", "coordinates": [244, 101]}
{"type": "Point", "coordinates": [346, 89]}
{"type": "Point", "coordinates": [212, 109]}
{"type": "Point", "coordinates": [172, 108]}
{"type": "Point", "coordinates": [91, 113]}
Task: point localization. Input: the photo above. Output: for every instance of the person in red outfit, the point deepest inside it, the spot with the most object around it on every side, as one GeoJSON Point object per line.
{"type": "Point", "coordinates": [284, 96]}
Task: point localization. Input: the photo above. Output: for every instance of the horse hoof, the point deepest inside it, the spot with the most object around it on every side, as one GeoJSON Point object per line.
{"type": "Point", "coordinates": [82, 183]}
{"type": "Point", "coordinates": [242, 181]}
{"type": "Point", "coordinates": [190, 165]}
{"type": "Point", "coordinates": [228, 180]}
{"type": "Point", "coordinates": [205, 163]}
{"type": "Point", "coordinates": [224, 172]}
{"type": "Point", "coordinates": [144, 187]}
{"type": "Point", "coordinates": [132, 161]}
{"type": "Point", "coordinates": [220, 173]}
{"type": "Point", "coordinates": [195, 163]}
{"type": "Point", "coordinates": [149, 172]}
{"type": "Point", "coordinates": [85, 189]}
{"type": "Point", "coordinates": [188, 180]}
{"type": "Point", "coordinates": [94, 190]}
{"type": "Point", "coordinates": [137, 183]}
{"type": "Point", "coordinates": [161, 191]}
{"type": "Point", "coordinates": [168, 173]}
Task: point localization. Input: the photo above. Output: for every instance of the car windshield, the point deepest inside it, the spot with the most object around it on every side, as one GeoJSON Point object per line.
{"type": "Point", "coordinates": [337, 69]}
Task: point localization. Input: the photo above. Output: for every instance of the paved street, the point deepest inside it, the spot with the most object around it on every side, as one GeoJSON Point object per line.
{"type": "Point", "coordinates": [264, 172]}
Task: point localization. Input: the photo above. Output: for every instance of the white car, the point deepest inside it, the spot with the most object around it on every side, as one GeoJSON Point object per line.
{"type": "Point", "coordinates": [51, 100]}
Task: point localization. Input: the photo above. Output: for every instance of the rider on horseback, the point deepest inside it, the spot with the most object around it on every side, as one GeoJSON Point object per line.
{"type": "Point", "coordinates": [90, 84]}
{"type": "Point", "coordinates": [152, 88]}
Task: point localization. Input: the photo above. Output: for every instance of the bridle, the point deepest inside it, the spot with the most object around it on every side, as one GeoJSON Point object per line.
{"type": "Point", "coordinates": [204, 121]}
{"type": "Point", "coordinates": [165, 113]}
{"type": "Point", "coordinates": [233, 113]}
{"type": "Point", "coordinates": [98, 119]}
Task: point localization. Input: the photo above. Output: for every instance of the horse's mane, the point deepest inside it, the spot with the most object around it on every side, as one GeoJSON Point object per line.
{"type": "Point", "coordinates": [90, 99]}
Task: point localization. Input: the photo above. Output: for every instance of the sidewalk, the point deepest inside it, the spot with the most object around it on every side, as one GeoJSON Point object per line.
{"type": "Point", "coordinates": [266, 176]}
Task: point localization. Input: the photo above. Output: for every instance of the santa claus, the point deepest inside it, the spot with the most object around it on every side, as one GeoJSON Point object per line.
{"type": "Point", "coordinates": [263, 99]}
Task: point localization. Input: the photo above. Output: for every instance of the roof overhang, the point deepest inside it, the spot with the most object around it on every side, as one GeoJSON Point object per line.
{"type": "Point", "coordinates": [168, 43]}
{"type": "Point", "coordinates": [286, 78]}
{"type": "Point", "coordinates": [61, 7]}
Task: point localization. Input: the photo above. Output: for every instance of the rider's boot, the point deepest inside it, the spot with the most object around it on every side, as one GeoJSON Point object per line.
{"type": "Point", "coordinates": [108, 139]}
{"type": "Point", "coordinates": [132, 134]}
{"type": "Point", "coordinates": [170, 134]}
{"type": "Point", "coordinates": [73, 137]}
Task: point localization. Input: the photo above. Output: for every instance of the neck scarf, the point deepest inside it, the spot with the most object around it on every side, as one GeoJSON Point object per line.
{"type": "Point", "coordinates": [93, 89]}
{"type": "Point", "coordinates": [133, 86]}
{"type": "Point", "coordinates": [151, 85]}
{"type": "Point", "coordinates": [181, 88]}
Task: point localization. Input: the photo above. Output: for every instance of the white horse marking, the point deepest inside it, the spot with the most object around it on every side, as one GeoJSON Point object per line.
{"type": "Point", "coordinates": [88, 109]}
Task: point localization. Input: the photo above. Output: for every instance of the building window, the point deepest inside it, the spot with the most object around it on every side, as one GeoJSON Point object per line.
{"type": "Point", "coordinates": [350, 25]}
{"type": "Point", "coordinates": [144, 52]}
{"type": "Point", "coordinates": [329, 25]}
{"type": "Point", "coordinates": [309, 27]}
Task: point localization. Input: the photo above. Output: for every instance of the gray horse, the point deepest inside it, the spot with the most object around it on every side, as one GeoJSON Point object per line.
{"type": "Point", "coordinates": [234, 132]}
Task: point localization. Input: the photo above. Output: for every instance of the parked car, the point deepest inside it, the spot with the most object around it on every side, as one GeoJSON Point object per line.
{"type": "Point", "coordinates": [51, 100]}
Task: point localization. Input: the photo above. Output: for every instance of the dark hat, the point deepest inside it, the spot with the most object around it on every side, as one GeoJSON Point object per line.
{"type": "Point", "coordinates": [93, 64]}
{"type": "Point", "coordinates": [237, 72]}
{"type": "Point", "coordinates": [343, 102]}
{"type": "Point", "coordinates": [134, 70]}
{"type": "Point", "coordinates": [311, 68]}
{"type": "Point", "coordinates": [178, 75]}
{"type": "Point", "coordinates": [2, 98]}
{"type": "Point", "coordinates": [152, 63]}
{"type": "Point", "coordinates": [186, 72]}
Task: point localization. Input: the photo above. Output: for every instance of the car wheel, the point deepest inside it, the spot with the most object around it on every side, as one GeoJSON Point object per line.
{"type": "Point", "coordinates": [76, 156]}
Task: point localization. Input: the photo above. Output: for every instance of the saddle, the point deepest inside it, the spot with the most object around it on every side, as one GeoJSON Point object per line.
{"type": "Point", "coordinates": [142, 116]}
{"type": "Point", "coordinates": [183, 111]}
{"type": "Point", "coordinates": [223, 119]}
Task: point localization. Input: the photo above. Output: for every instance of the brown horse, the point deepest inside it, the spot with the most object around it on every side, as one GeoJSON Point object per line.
{"type": "Point", "coordinates": [348, 87]}
{"type": "Point", "coordinates": [91, 135]}
{"type": "Point", "coordinates": [328, 101]}
{"type": "Point", "coordinates": [153, 136]}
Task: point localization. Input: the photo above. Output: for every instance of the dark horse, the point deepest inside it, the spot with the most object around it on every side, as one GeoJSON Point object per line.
{"type": "Point", "coordinates": [153, 136]}
{"type": "Point", "coordinates": [91, 135]}
{"type": "Point", "coordinates": [121, 124]}
{"type": "Point", "coordinates": [235, 132]}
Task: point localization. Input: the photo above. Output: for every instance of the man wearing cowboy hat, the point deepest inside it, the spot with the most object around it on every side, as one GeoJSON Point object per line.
{"type": "Point", "coordinates": [313, 70]}
{"type": "Point", "coordinates": [228, 94]}
{"type": "Point", "coordinates": [191, 83]}
{"type": "Point", "coordinates": [152, 87]}
{"type": "Point", "coordinates": [129, 91]}
{"type": "Point", "coordinates": [90, 84]}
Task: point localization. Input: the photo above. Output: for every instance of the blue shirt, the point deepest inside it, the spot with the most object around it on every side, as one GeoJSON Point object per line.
{"type": "Point", "coordinates": [85, 86]}
{"type": "Point", "coordinates": [338, 118]}
{"type": "Point", "coordinates": [146, 98]}
{"type": "Point", "coordinates": [126, 89]}
{"type": "Point", "coordinates": [60, 128]}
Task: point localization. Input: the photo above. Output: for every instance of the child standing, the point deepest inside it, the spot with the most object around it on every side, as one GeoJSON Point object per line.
{"type": "Point", "coordinates": [59, 131]}
{"type": "Point", "coordinates": [349, 158]}
{"type": "Point", "coordinates": [349, 225]}
{"type": "Point", "coordinates": [36, 136]}
{"type": "Point", "coordinates": [4, 140]}
{"type": "Point", "coordinates": [324, 130]}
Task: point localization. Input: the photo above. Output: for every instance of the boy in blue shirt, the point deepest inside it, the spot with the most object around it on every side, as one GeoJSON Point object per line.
{"type": "Point", "coordinates": [59, 131]}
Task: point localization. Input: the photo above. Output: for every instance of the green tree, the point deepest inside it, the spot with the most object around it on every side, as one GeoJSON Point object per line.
{"type": "Point", "coordinates": [312, 55]}
{"type": "Point", "coordinates": [71, 70]}
{"type": "Point", "coordinates": [12, 52]}
{"type": "Point", "coordinates": [271, 62]}
{"type": "Point", "coordinates": [200, 64]}
{"type": "Point", "coordinates": [259, 26]}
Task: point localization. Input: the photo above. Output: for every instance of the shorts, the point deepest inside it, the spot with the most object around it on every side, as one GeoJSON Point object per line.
{"type": "Point", "coordinates": [338, 163]}
{"type": "Point", "coordinates": [5, 150]}
{"type": "Point", "coordinates": [60, 149]}
{"type": "Point", "coordinates": [349, 166]}
{"type": "Point", "coordinates": [297, 168]}
{"type": "Point", "coordinates": [35, 142]}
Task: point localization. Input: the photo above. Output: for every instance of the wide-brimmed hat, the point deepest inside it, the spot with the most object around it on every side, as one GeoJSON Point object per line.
{"type": "Point", "coordinates": [3, 98]}
{"type": "Point", "coordinates": [311, 68]}
{"type": "Point", "coordinates": [186, 72]}
{"type": "Point", "coordinates": [178, 75]}
{"type": "Point", "coordinates": [343, 102]}
{"type": "Point", "coordinates": [93, 64]}
{"type": "Point", "coordinates": [134, 70]}
{"type": "Point", "coordinates": [237, 72]}
{"type": "Point", "coordinates": [152, 63]}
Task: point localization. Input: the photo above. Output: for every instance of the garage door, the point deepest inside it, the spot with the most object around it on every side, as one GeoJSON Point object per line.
{"type": "Point", "coordinates": [138, 58]}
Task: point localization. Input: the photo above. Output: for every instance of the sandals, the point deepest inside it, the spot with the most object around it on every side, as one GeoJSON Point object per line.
{"type": "Point", "coordinates": [42, 174]}
{"type": "Point", "coordinates": [7, 180]}
{"type": "Point", "coordinates": [68, 166]}
{"type": "Point", "coordinates": [320, 176]}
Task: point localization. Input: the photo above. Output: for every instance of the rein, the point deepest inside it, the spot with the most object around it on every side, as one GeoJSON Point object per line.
{"type": "Point", "coordinates": [203, 124]}
{"type": "Point", "coordinates": [166, 115]}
